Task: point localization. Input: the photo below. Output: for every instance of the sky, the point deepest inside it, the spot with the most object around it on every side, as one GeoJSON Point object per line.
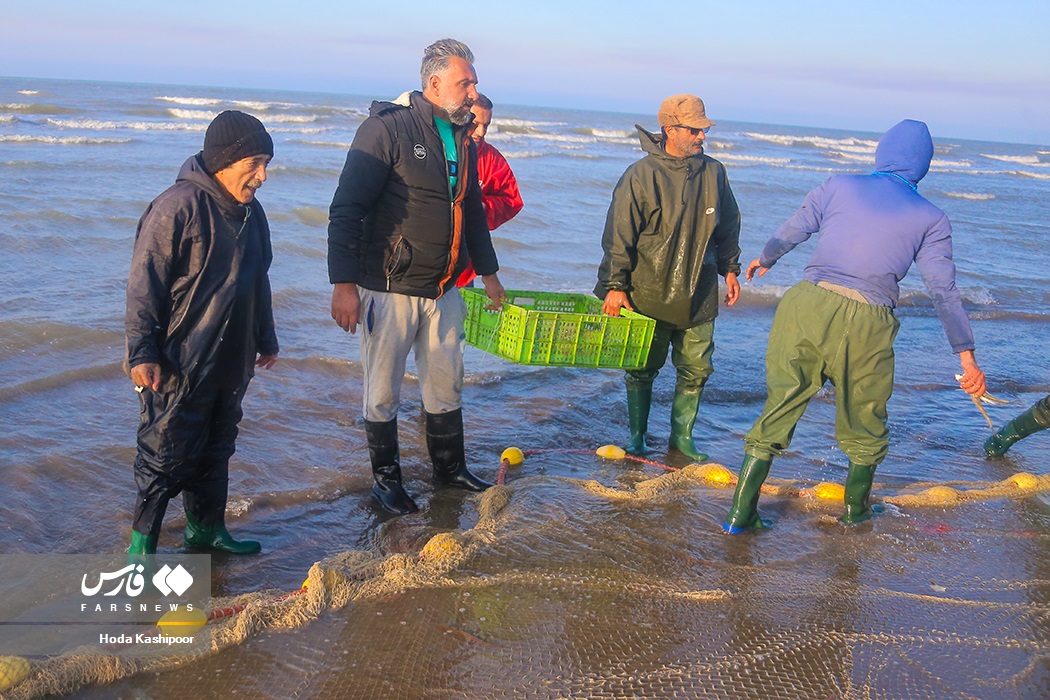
{"type": "Point", "coordinates": [969, 69]}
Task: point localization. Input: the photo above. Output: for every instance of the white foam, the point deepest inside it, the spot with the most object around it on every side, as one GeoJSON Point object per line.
{"type": "Point", "coordinates": [974, 196]}
{"type": "Point", "coordinates": [565, 139]}
{"type": "Point", "coordinates": [263, 106]}
{"type": "Point", "coordinates": [613, 133]}
{"type": "Point", "coordinates": [191, 114]}
{"type": "Point", "coordinates": [7, 119]}
{"type": "Point", "coordinates": [850, 157]}
{"type": "Point", "coordinates": [59, 140]}
{"type": "Point", "coordinates": [291, 118]}
{"type": "Point", "coordinates": [937, 163]}
{"type": "Point", "coordinates": [1034, 176]}
{"type": "Point", "coordinates": [28, 92]}
{"type": "Point", "coordinates": [325, 144]}
{"type": "Point", "coordinates": [1020, 160]}
{"type": "Point", "coordinates": [193, 101]}
{"type": "Point", "coordinates": [99, 125]}
{"type": "Point", "coordinates": [853, 145]}
{"type": "Point", "coordinates": [758, 160]}
{"type": "Point", "coordinates": [296, 130]}
{"type": "Point", "coordinates": [511, 155]}
{"type": "Point", "coordinates": [525, 123]}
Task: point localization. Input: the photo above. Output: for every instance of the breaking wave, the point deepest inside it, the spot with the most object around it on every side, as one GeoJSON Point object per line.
{"type": "Point", "coordinates": [58, 140]}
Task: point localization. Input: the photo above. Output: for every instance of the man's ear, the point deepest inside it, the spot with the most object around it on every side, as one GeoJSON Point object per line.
{"type": "Point", "coordinates": [434, 83]}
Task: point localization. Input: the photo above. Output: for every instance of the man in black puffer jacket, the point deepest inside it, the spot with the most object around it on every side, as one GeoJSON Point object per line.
{"type": "Point", "coordinates": [199, 320]}
{"type": "Point", "coordinates": [405, 220]}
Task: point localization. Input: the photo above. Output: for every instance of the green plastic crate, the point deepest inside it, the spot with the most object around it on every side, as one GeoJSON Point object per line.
{"type": "Point", "coordinates": [565, 330]}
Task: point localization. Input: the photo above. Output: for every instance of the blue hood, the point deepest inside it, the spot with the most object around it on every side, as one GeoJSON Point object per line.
{"type": "Point", "coordinates": [905, 150]}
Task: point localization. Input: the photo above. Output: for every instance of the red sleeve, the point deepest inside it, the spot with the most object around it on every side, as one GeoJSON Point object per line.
{"type": "Point", "coordinates": [499, 188]}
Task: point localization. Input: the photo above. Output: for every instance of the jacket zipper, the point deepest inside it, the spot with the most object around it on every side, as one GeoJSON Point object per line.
{"type": "Point", "coordinates": [247, 215]}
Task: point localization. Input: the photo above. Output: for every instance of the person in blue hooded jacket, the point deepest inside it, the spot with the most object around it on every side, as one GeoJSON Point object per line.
{"type": "Point", "coordinates": [838, 325]}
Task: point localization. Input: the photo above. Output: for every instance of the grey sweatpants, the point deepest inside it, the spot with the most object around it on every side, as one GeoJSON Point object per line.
{"type": "Point", "coordinates": [395, 324]}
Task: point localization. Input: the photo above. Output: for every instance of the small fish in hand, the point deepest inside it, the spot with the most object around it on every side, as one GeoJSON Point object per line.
{"type": "Point", "coordinates": [984, 398]}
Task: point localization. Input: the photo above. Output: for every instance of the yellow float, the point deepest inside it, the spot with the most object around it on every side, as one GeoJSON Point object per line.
{"type": "Point", "coordinates": [512, 456]}
{"type": "Point", "coordinates": [13, 670]}
{"type": "Point", "coordinates": [182, 622]}
{"type": "Point", "coordinates": [610, 452]}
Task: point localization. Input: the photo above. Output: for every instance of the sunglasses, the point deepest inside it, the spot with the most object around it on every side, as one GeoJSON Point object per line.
{"type": "Point", "coordinates": [693, 131]}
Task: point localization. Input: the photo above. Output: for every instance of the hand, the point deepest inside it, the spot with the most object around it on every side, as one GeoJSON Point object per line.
{"type": "Point", "coordinates": [146, 375]}
{"type": "Point", "coordinates": [614, 301]}
{"type": "Point", "coordinates": [494, 290]}
{"type": "Point", "coordinates": [266, 361]}
{"type": "Point", "coordinates": [755, 265]}
{"type": "Point", "coordinates": [732, 288]}
{"type": "Point", "coordinates": [973, 381]}
{"type": "Point", "coordinates": [346, 305]}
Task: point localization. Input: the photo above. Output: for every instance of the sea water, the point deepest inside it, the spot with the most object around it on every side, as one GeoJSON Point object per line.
{"type": "Point", "coordinates": [80, 161]}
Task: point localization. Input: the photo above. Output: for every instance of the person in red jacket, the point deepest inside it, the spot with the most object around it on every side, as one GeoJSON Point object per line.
{"type": "Point", "coordinates": [499, 188]}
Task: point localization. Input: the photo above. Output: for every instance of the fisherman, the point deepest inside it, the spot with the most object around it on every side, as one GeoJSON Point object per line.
{"type": "Point", "coordinates": [499, 187]}
{"type": "Point", "coordinates": [199, 320]}
{"type": "Point", "coordinates": [405, 220]}
{"type": "Point", "coordinates": [838, 324]}
{"type": "Point", "coordinates": [673, 227]}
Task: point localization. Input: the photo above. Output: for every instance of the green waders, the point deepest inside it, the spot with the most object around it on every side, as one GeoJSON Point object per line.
{"type": "Point", "coordinates": [743, 516]}
{"type": "Point", "coordinates": [858, 488]}
{"type": "Point", "coordinates": [820, 336]}
{"type": "Point", "coordinates": [639, 399]}
{"type": "Point", "coordinates": [1031, 421]}
{"type": "Point", "coordinates": [691, 353]}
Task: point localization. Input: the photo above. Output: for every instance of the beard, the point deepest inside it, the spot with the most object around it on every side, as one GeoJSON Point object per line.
{"type": "Point", "coordinates": [459, 114]}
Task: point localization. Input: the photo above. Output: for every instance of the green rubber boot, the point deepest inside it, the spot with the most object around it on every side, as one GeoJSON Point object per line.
{"type": "Point", "coordinates": [142, 544]}
{"type": "Point", "coordinates": [858, 488]}
{"type": "Point", "coordinates": [1019, 428]}
{"type": "Point", "coordinates": [683, 418]}
{"type": "Point", "coordinates": [743, 516]}
{"type": "Point", "coordinates": [638, 402]}
{"type": "Point", "coordinates": [142, 547]}
{"type": "Point", "coordinates": [216, 536]}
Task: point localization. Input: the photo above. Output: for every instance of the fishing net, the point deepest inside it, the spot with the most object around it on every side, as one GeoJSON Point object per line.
{"type": "Point", "coordinates": [572, 588]}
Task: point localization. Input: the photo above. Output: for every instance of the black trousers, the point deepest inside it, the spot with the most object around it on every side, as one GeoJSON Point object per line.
{"type": "Point", "coordinates": [185, 441]}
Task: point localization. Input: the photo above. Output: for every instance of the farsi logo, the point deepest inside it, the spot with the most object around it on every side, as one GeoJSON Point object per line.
{"type": "Point", "coordinates": [132, 582]}
{"type": "Point", "coordinates": [129, 579]}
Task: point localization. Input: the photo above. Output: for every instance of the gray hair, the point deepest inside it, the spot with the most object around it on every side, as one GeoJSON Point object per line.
{"type": "Point", "coordinates": [483, 102]}
{"type": "Point", "coordinates": [437, 55]}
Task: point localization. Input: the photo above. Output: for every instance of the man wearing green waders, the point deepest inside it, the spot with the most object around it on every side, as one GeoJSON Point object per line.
{"type": "Point", "coordinates": [673, 227]}
{"type": "Point", "coordinates": [838, 324]}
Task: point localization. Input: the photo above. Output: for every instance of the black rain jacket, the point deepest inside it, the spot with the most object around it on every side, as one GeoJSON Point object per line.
{"type": "Point", "coordinates": [394, 224]}
{"type": "Point", "coordinates": [198, 297]}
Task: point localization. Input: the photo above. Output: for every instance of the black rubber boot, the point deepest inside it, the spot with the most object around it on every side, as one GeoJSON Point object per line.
{"type": "Point", "coordinates": [639, 400]}
{"type": "Point", "coordinates": [386, 468]}
{"type": "Point", "coordinates": [683, 417]}
{"type": "Point", "coordinates": [743, 516]}
{"type": "Point", "coordinates": [1019, 428]}
{"type": "Point", "coordinates": [858, 488]}
{"type": "Point", "coordinates": [205, 502]}
{"type": "Point", "coordinates": [445, 444]}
